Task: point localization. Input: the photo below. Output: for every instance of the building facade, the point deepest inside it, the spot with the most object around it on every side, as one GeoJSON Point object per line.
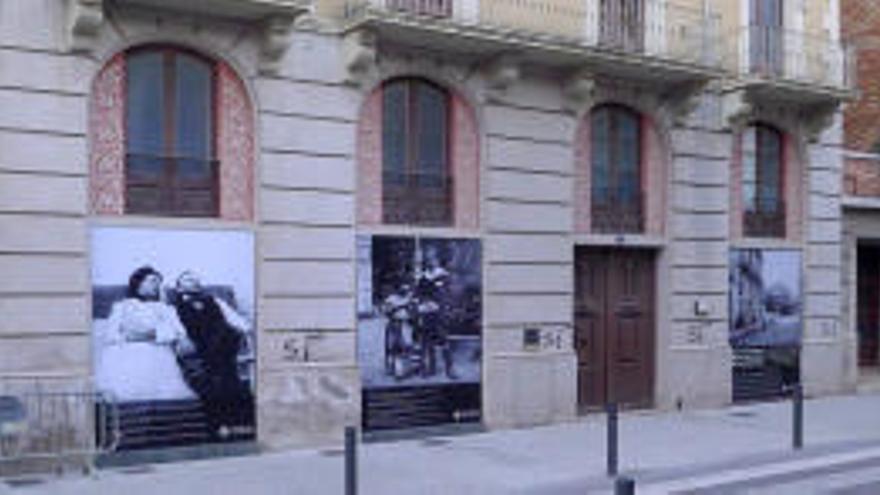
{"type": "Point", "coordinates": [420, 213]}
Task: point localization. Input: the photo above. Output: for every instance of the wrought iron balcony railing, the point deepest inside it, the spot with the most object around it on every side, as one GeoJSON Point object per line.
{"type": "Point", "coordinates": [171, 185]}
{"type": "Point", "coordinates": [767, 220]}
{"type": "Point", "coordinates": [658, 29]}
{"type": "Point", "coordinates": [612, 213]}
{"type": "Point", "coordinates": [416, 199]}
{"type": "Point", "coordinates": [776, 54]}
{"type": "Point", "coordinates": [430, 8]}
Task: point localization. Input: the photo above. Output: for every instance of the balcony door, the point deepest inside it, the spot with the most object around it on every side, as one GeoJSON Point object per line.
{"type": "Point", "coordinates": [763, 182]}
{"type": "Point", "coordinates": [766, 37]}
{"type": "Point", "coordinates": [621, 24]}
{"type": "Point", "coordinates": [616, 172]}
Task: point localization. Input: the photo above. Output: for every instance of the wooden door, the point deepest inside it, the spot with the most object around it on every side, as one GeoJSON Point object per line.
{"type": "Point", "coordinates": [614, 326]}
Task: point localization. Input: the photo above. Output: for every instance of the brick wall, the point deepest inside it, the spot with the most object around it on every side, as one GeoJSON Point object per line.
{"type": "Point", "coordinates": [860, 25]}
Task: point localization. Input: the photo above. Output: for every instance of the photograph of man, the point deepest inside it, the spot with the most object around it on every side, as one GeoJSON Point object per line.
{"type": "Point", "coordinates": [398, 308]}
{"type": "Point", "coordinates": [432, 294]}
{"type": "Point", "coordinates": [217, 332]}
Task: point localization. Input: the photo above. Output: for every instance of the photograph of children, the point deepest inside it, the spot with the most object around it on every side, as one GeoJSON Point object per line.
{"type": "Point", "coordinates": [173, 333]}
{"type": "Point", "coordinates": [420, 313]}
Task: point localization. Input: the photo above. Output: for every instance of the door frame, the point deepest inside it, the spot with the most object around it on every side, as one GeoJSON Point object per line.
{"type": "Point", "coordinates": [659, 315]}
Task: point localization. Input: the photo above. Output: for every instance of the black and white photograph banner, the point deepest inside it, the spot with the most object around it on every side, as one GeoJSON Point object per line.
{"type": "Point", "coordinates": [419, 330]}
{"type": "Point", "coordinates": [766, 300]}
{"type": "Point", "coordinates": [766, 321]}
{"type": "Point", "coordinates": [173, 334]}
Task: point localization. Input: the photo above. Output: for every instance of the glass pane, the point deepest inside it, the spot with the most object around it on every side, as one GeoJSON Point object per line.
{"type": "Point", "coordinates": [432, 129]}
{"type": "Point", "coordinates": [766, 12]}
{"type": "Point", "coordinates": [394, 127]}
{"type": "Point", "coordinates": [145, 101]}
{"type": "Point", "coordinates": [193, 168]}
{"type": "Point", "coordinates": [769, 168]}
{"type": "Point", "coordinates": [772, 12]}
{"type": "Point", "coordinates": [749, 169]}
{"type": "Point", "coordinates": [600, 155]}
{"type": "Point", "coordinates": [144, 168]}
{"type": "Point", "coordinates": [193, 108]}
{"type": "Point", "coordinates": [627, 145]}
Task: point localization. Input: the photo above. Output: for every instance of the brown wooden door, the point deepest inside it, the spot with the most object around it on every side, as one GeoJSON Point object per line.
{"type": "Point", "coordinates": [614, 326]}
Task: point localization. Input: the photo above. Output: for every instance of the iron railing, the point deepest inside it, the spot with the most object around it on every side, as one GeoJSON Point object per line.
{"type": "Point", "coordinates": [613, 213]}
{"type": "Point", "coordinates": [654, 28]}
{"type": "Point", "coordinates": [432, 8]}
{"type": "Point", "coordinates": [778, 54]}
{"type": "Point", "coordinates": [172, 185]}
{"type": "Point", "coordinates": [766, 220]}
{"type": "Point", "coordinates": [416, 198]}
{"type": "Point", "coordinates": [45, 426]}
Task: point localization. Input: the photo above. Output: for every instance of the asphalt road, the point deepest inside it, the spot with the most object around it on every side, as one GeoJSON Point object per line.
{"type": "Point", "coordinates": [852, 478]}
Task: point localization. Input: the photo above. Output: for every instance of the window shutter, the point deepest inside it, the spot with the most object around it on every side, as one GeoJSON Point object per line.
{"type": "Point", "coordinates": [107, 131]}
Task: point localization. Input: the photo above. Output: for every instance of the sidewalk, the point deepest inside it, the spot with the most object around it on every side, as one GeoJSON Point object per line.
{"type": "Point", "coordinates": [568, 458]}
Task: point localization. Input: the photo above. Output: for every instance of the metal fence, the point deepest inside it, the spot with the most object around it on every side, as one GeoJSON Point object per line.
{"type": "Point", "coordinates": [778, 54]}
{"type": "Point", "coordinates": [50, 428]}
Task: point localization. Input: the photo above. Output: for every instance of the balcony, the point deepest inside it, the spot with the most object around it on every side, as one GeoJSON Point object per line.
{"type": "Point", "coordinates": [171, 186]}
{"type": "Point", "coordinates": [613, 213]}
{"type": "Point", "coordinates": [767, 220]}
{"type": "Point", "coordinates": [274, 18]}
{"type": "Point", "coordinates": [649, 40]}
{"type": "Point", "coordinates": [238, 9]}
{"type": "Point", "coordinates": [416, 199]}
{"type": "Point", "coordinates": [794, 66]}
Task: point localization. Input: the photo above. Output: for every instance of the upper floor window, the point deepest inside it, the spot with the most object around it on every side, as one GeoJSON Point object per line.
{"type": "Point", "coordinates": [621, 24]}
{"type": "Point", "coordinates": [762, 182]}
{"type": "Point", "coordinates": [434, 8]}
{"type": "Point", "coordinates": [766, 36]}
{"type": "Point", "coordinates": [416, 179]}
{"type": "Point", "coordinates": [616, 170]}
{"type": "Point", "coordinates": [170, 163]}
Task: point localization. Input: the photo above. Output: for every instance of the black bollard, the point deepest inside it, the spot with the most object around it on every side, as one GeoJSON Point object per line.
{"type": "Point", "coordinates": [624, 486]}
{"type": "Point", "coordinates": [350, 460]}
{"type": "Point", "coordinates": [797, 430]}
{"type": "Point", "coordinates": [611, 450]}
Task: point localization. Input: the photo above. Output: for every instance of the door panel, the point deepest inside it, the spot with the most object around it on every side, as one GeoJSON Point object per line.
{"type": "Point", "coordinates": [614, 326]}
{"type": "Point", "coordinates": [589, 337]}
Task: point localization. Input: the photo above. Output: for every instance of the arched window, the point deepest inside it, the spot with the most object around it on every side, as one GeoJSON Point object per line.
{"type": "Point", "coordinates": [762, 182]}
{"type": "Point", "coordinates": [616, 170]}
{"type": "Point", "coordinates": [416, 180]}
{"type": "Point", "coordinates": [171, 167]}
{"type": "Point", "coordinates": [171, 135]}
